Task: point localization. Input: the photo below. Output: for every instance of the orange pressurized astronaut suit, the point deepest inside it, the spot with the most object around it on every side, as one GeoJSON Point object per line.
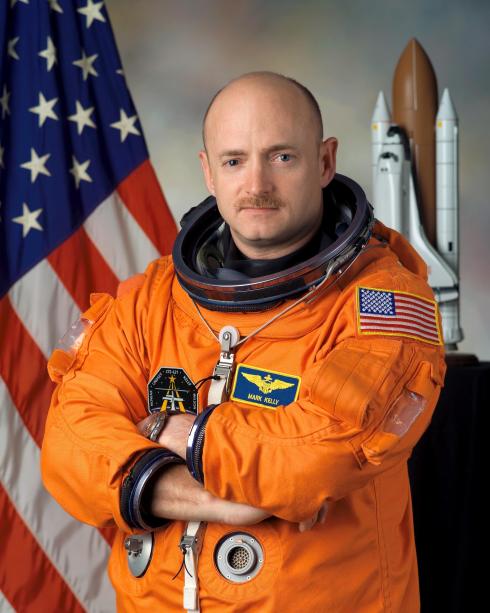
{"type": "Point", "coordinates": [345, 439]}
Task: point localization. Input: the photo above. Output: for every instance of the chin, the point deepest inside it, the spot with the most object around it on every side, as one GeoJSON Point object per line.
{"type": "Point", "coordinates": [258, 234]}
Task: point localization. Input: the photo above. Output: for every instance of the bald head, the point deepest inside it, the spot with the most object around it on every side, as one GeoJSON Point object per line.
{"type": "Point", "coordinates": [252, 84]}
{"type": "Point", "coordinates": [266, 162]}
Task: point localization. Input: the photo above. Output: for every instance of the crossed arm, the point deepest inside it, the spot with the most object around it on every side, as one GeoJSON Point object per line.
{"type": "Point", "coordinates": [177, 495]}
{"type": "Point", "coordinates": [365, 406]}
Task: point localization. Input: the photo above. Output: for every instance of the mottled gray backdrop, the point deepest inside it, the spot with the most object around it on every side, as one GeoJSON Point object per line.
{"type": "Point", "coordinates": [176, 54]}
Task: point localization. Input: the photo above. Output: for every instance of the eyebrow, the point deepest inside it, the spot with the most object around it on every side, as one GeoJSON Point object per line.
{"type": "Point", "coordinates": [271, 149]}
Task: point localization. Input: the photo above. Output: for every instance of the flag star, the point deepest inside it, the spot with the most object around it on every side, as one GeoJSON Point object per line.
{"type": "Point", "coordinates": [11, 47]}
{"type": "Point", "coordinates": [120, 71]}
{"type": "Point", "coordinates": [85, 64]}
{"type": "Point", "coordinates": [92, 12]}
{"type": "Point", "coordinates": [49, 54]}
{"type": "Point", "coordinates": [14, 2]}
{"type": "Point", "coordinates": [44, 109]}
{"type": "Point", "coordinates": [79, 171]}
{"type": "Point", "coordinates": [82, 117]}
{"type": "Point", "coordinates": [37, 165]}
{"type": "Point", "coordinates": [4, 102]}
{"type": "Point", "coordinates": [126, 125]}
{"type": "Point", "coordinates": [54, 6]}
{"type": "Point", "coordinates": [28, 220]}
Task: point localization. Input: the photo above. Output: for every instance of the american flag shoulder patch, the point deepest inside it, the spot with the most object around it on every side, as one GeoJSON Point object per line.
{"type": "Point", "coordinates": [397, 313]}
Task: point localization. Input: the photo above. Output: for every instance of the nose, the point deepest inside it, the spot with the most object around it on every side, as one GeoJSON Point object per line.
{"type": "Point", "coordinates": [259, 179]}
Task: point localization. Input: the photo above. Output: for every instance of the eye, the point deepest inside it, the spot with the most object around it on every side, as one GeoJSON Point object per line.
{"type": "Point", "coordinates": [285, 157]}
{"type": "Point", "coordinates": [231, 163]}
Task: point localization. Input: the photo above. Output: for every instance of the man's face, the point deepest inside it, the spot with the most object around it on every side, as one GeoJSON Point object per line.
{"type": "Point", "coordinates": [266, 165]}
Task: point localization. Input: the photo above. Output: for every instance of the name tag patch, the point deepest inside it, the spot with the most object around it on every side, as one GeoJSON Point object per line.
{"type": "Point", "coordinates": [264, 388]}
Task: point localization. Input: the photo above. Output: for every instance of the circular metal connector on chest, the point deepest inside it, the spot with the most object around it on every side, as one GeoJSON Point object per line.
{"type": "Point", "coordinates": [239, 557]}
{"type": "Point", "coordinates": [139, 549]}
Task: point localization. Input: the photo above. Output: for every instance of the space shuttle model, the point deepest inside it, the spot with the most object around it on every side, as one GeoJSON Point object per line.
{"type": "Point", "coordinates": [415, 176]}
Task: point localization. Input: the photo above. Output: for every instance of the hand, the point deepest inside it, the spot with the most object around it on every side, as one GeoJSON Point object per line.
{"type": "Point", "coordinates": [317, 518]}
{"type": "Point", "coordinates": [177, 495]}
{"type": "Point", "coordinates": [175, 432]}
{"type": "Point", "coordinates": [173, 505]}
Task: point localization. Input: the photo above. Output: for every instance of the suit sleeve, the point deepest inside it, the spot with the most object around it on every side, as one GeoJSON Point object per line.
{"type": "Point", "coordinates": [363, 408]}
{"type": "Point", "coordinates": [91, 440]}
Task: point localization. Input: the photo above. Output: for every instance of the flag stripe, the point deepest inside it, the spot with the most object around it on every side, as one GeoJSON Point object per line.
{"type": "Point", "coordinates": [32, 388]}
{"type": "Point", "coordinates": [416, 302]}
{"type": "Point", "coordinates": [44, 306]}
{"type": "Point", "coordinates": [82, 558]}
{"type": "Point", "coordinates": [112, 228]}
{"type": "Point", "coordinates": [142, 195]}
{"type": "Point", "coordinates": [29, 580]}
{"type": "Point", "coordinates": [420, 315]}
{"type": "Point", "coordinates": [82, 269]}
{"type": "Point", "coordinates": [406, 308]}
{"type": "Point", "coordinates": [393, 327]}
{"type": "Point", "coordinates": [5, 606]}
{"type": "Point", "coordinates": [23, 369]}
{"type": "Point", "coordinates": [370, 318]}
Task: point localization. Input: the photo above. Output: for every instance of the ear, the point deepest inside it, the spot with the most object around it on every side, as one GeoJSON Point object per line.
{"type": "Point", "coordinates": [206, 169]}
{"type": "Point", "coordinates": [328, 160]}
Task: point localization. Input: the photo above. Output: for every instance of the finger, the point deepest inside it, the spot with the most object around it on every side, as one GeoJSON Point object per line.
{"type": "Point", "coordinates": [141, 424]}
{"type": "Point", "coordinates": [144, 424]}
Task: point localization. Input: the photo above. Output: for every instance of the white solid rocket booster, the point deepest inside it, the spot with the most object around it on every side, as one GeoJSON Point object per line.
{"type": "Point", "coordinates": [447, 222]}
{"type": "Point", "coordinates": [380, 123]}
{"type": "Point", "coordinates": [447, 181]}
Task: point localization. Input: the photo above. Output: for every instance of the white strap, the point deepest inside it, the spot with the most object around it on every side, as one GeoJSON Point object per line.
{"type": "Point", "coordinates": [216, 391]}
{"type": "Point", "coordinates": [191, 543]}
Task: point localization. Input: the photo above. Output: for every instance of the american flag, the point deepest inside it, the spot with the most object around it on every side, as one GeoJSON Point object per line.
{"type": "Point", "coordinates": [80, 210]}
{"type": "Point", "coordinates": [398, 313]}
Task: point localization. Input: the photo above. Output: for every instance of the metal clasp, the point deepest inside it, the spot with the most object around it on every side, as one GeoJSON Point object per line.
{"type": "Point", "coordinates": [224, 370]}
{"type": "Point", "coordinates": [192, 542]}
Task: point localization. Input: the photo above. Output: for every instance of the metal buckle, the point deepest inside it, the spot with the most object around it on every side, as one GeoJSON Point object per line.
{"type": "Point", "coordinates": [192, 542]}
{"type": "Point", "coordinates": [225, 368]}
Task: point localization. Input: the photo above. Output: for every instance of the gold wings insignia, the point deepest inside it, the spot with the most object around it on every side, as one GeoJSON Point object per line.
{"type": "Point", "coordinates": [264, 386]}
{"type": "Point", "coordinates": [277, 384]}
{"type": "Point", "coordinates": [255, 379]}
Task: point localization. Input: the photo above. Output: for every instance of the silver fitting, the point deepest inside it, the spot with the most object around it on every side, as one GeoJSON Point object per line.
{"type": "Point", "coordinates": [224, 370]}
{"type": "Point", "coordinates": [139, 549]}
{"type": "Point", "coordinates": [192, 542]}
{"type": "Point", "coordinates": [133, 545]}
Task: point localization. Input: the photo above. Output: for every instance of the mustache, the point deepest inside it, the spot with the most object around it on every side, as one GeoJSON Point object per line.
{"type": "Point", "coordinates": [259, 202]}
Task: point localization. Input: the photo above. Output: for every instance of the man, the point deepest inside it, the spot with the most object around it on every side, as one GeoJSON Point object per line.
{"type": "Point", "coordinates": [308, 344]}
